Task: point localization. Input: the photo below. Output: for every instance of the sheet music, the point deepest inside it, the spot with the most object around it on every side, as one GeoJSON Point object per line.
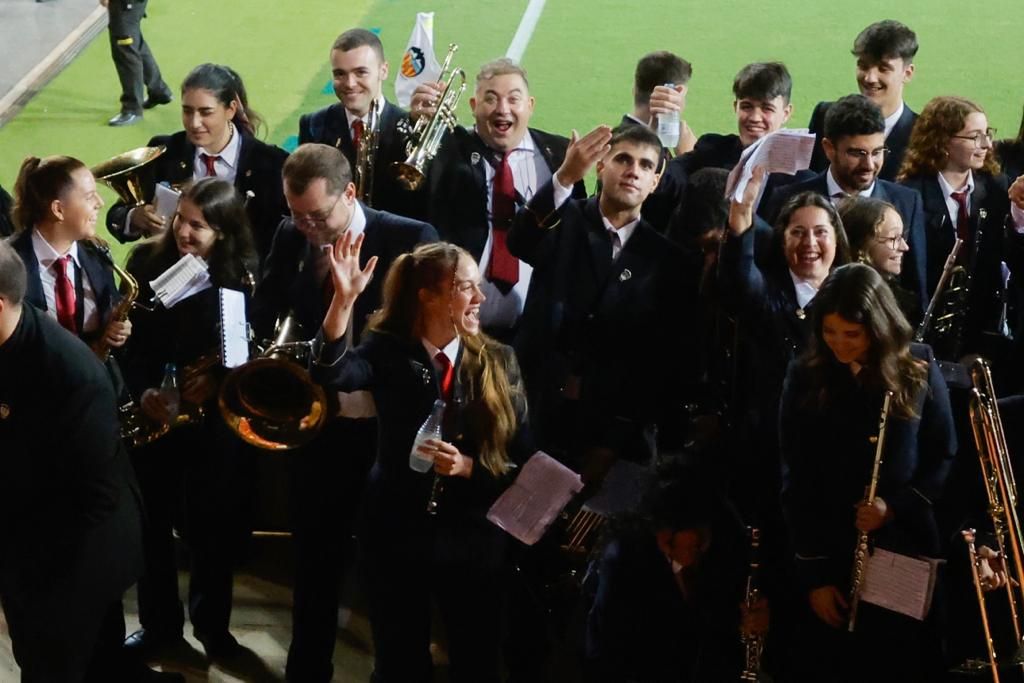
{"type": "Point", "coordinates": [234, 331]}
{"type": "Point", "coordinates": [165, 202]}
{"type": "Point", "coordinates": [787, 150]}
{"type": "Point", "coordinates": [186, 277]}
{"type": "Point", "coordinates": [528, 507]}
{"type": "Point", "coordinates": [900, 583]}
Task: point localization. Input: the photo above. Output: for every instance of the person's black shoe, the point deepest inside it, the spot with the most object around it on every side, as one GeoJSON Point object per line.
{"type": "Point", "coordinates": [155, 100]}
{"type": "Point", "coordinates": [125, 118]}
{"type": "Point", "coordinates": [219, 645]}
{"type": "Point", "coordinates": [146, 643]}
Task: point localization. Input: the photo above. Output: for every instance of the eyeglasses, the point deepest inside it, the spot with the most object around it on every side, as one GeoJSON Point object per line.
{"type": "Point", "coordinates": [988, 135]}
{"type": "Point", "coordinates": [861, 154]}
{"type": "Point", "coordinates": [316, 220]}
{"type": "Point", "coordinates": [893, 242]}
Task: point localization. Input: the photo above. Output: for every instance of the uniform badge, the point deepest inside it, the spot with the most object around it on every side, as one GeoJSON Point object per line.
{"type": "Point", "coordinates": [474, 158]}
{"type": "Point", "coordinates": [625, 275]}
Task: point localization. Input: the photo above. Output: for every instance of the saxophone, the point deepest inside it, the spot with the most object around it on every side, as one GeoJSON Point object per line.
{"type": "Point", "coordinates": [860, 556]}
{"type": "Point", "coordinates": [753, 644]}
{"type": "Point", "coordinates": [366, 155]}
{"type": "Point", "coordinates": [131, 292]}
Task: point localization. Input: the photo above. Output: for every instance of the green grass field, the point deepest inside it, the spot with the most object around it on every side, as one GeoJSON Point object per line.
{"type": "Point", "coordinates": [580, 59]}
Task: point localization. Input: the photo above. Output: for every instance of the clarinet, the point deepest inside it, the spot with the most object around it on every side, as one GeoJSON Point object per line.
{"type": "Point", "coordinates": [753, 644]}
{"type": "Point", "coordinates": [860, 556]}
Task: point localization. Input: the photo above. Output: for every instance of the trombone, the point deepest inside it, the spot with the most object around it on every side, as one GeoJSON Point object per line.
{"type": "Point", "coordinates": [424, 138]}
{"type": "Point", "coordinates": [1001, 489]}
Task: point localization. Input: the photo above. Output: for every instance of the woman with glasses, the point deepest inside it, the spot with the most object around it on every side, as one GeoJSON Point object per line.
{"type": "Point", "coordinates": [950, 161]}
{"type": "Point", "coordinates": [218, 140]}
{"type": "Point", "coordinates": [878, 238]}
{"type": "Point", "coordinates": [194, 478]}
{"type": "Point", "coordinates": [425, 344]}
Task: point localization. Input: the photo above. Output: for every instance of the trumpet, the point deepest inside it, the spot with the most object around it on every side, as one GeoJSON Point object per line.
{"type": "Point", "coordinates": [860, 557]}
{"type": "Point", "coordinates": [366, 155]}
{"type": "Point", "coordinates": [424, 138]}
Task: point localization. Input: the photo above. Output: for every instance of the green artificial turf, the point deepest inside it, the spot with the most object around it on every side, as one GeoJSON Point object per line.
{"type": "Point", "coordinates": [580, 60]}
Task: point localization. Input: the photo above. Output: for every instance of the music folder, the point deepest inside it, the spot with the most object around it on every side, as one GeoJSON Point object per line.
{"type": "Point", "coordinates": [528, 507]}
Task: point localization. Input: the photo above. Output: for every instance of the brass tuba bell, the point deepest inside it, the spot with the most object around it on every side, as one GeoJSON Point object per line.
{"type": "Point", "coordinates": [130, 175]}
{"type": "Point", "coordinates": [271, 402]}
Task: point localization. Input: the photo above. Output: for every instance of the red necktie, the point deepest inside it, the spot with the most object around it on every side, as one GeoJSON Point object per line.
{"type": "Point", "coordinates": [357, 132]}
{"type": "Point", "coordinates": [962, 215]}
{"type": "Point", "coordinates": [211, 164]}
{"type": "Point", "coordinates": [64, 293]}
{"type": "Point", "coordinates": [447, 375]}
{"type": "Point", "coordinates": [503, 269]}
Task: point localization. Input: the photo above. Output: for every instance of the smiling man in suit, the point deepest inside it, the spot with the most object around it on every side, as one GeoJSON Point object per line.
{"type": "Point", "coordinates": [358, 72]}
{"type": "Point", "coordinates": [885, 54]}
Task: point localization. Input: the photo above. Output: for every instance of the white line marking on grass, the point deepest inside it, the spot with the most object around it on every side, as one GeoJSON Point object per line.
{"type": "Point", "coordinates": [31, 79]}
{"type": "Point", "coordinates": [525, 31]}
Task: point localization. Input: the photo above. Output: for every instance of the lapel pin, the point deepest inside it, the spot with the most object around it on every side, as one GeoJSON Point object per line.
{"type": "Point", "coordinates": [800, 313]}
{"type": "Point", "coordinates": [248, 174]}
{"type": "Point", "coordinates": [5, 411]}
{"type": "Point", "coordinates": [184, 165]}
{"type": "Point", "coordinates": [474, 158]}
{"type": "Point", "coordinates": [625, 275]}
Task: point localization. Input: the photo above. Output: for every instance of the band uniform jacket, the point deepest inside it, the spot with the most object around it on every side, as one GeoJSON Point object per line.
{"type": "Point", "coordinates": [896, 142]}
{"type": "Point", "coordinates": [289, 281]}
{"type": "Point", "coordinates": [458, 191]}
{"type": "Point", "coordinates": [616, 328]}
{"type": "Point", "coordinates": [992, 240]}
{"type": "Point", "coordinates": [908, 205]}
{"type": "Point", "coordinates": [828, 454]}
{"type": "Point", "coordinates": [71, 535]}
{"type": "Point", "coordinates": [259, 172]}
{"type": "Point", "coordinates": [329, 126]}
{"type": "Point", "coordinates": [6, 219]}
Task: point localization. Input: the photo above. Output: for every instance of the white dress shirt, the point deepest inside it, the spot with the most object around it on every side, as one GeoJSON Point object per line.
{"type": "Point", "coordinates": [952, 207]}
{"type": "Point", "coordinates": [834, 189]}
{"type": "Point", "coordinates": [805, 291]}
{"type": "Point", "coordinates": [451, 350]}
{"type": "Point", "coordinates": [562, 194]}
{"type": "Point", "coordinates": [46, 256]}
{"type": "Point", "coordinates": [892, 119]}
{"type": "Point", "coordinates": [226, 163]}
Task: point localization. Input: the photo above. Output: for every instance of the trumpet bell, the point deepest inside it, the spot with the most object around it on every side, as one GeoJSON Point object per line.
{"type": "Point", "coordinates": [271, 404]}
{"type": "Point", "coordinates": [130, 175]}
{"type": "Point", "coordinates": [407, 175]}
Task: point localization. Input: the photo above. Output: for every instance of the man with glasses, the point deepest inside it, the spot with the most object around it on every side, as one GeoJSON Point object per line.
{"type": "Point", "coordinates": [854, 144]}
{"type": "Point", "coordinates": [327, 474]}
{"type": "Point", "coordinates": [885, 54]}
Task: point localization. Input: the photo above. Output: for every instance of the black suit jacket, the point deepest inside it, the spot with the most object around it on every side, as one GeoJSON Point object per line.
{"type": "Point", "coordinates": [991, 241]}
{"type": "Point", "coordinates": [6, 220]}
{"type": "Point", "coordinates": [71, 535]}
{"type": "Point", "coordinates": [907, 203]}
{"type": "Point", "coordinates": [1011, 156]}
{"type": "Point", "coordinates": [289, 278]}
{"type": "Point", "coordinates": [329, 126]}
{"type": "Point", "coordinates": [259, 172]}
{"type": "Point", "coordinates": [896, 141]}
{"type": "Point", "coordinates": [96, 269]}
{"type": "Point", "coordinates": [458, 185]}
{"type": "Point", "coordinates": [617, 325]}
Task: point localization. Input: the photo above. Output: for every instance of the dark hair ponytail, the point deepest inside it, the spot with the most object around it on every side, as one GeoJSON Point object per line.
{"type": "Point", "coordinates": [40, 181]}
{"type": "Point", "coordinates": [227, 86]}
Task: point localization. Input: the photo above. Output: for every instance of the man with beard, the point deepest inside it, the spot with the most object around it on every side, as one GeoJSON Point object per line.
{"type": "Point", "coordinates": [481, 176]}
{"type": "Point", "coordinates": [885, 54]}
{"type": "Point", "coordinates": [854, 143]}
{"type": "Point", "coordinates": [328, 473]}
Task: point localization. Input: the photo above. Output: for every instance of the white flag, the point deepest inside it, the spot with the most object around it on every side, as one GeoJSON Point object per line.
{"type": "Point", "coordinates": [419, 64]}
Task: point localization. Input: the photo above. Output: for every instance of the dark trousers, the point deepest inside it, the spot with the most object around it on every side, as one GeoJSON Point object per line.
{"type": "Point", "coordinates": [136, 67]}
{"type": "Point", "coordinates": [328, 477]}
{"type": "Point", "coordinates": [198, 480]}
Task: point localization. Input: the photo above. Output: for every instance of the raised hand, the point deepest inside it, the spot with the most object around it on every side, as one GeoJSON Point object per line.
{"type": "Point", "coordinates": [741, 214]}
{"type": "Point", "coordinates": [348, 277]}
{"type": "Point", "coordinates": [582, 154]}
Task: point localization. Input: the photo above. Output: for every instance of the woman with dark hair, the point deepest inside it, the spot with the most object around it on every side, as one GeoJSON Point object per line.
{"type": "Point", "coordinates": [950, 162]}
{"type": "Point", "coordinates": [218, 140]}
{"type": "Point", "coordinates": [877, 238]}
{"type": "Point", "coordinates": [199, 467]}
{"type": "Point", "coordinates": [1010, 152]}
{"type": "Point", "coordinates": [425, 344]}
{"type": "Point", "coordinates": [55, 211]}
{"type": "Point", "coordinates": [859, 349]}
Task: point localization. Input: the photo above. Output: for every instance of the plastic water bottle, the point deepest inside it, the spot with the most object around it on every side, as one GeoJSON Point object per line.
{"type": "Point", "coordinates": [431, 429]}
{"type": "Point", "coordinates": [668, 127]}
{"type": "Point", "coordinates": [169, 390]}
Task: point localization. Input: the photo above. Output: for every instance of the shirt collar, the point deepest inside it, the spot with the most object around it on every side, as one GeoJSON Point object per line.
{"type": "Point", "coordinates": [352, 118]}
{"type": "Point", "coordinates": [357, 223]}
{"type": "Point", "coordinates": [228, 155]}
{"type": "Point", "coordinates": [834, 189]}
{"type": "Point", "coordinates": [805, 291]}
{"type": "Point", "coordinates": [948, 190]}
{"type": "Point", "coordinates": [451, 350]}
{"type": "Point", "coordinates": [893, 119]}
{"type": "Point", "coordinates": [46, 254]}
{"type": "Point", "coordinates": [625, 232]}
{"type": "Point", "coordinates": [525, 145]}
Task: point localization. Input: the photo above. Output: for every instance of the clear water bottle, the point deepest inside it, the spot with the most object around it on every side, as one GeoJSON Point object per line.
{"type": "Point", "coordinates": [169, 391]}
{"type": "Point", "coordinates": [431, 429]}
{"type": "Point", "coordinates": [668, 127]}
